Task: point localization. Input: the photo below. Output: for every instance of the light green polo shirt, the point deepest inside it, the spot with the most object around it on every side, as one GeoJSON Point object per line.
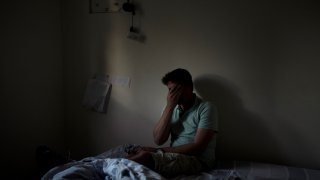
{"type": "Point", "coordinates": [183, 129]}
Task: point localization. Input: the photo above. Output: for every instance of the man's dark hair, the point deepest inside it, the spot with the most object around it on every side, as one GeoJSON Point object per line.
{"type": "Point", "coordinates": [179, 76]}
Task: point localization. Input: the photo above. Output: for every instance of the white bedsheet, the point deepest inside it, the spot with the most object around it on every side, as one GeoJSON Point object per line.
{"type": "Point", "coordinates": [124, 169]}
{"type": "Point", "coordinates": [103, 169]}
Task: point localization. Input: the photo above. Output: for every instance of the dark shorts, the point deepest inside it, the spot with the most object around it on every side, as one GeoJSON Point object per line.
{"type": "Point", "coordinates": [174, 164]}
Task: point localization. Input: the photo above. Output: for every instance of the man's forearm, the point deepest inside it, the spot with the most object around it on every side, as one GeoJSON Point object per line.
{"type": "Point", "coordinates": [161, 131]}
{"type": "Point", "coordinates": [199, 144]}
{"type": "Point", "coordinates": [188, 149]}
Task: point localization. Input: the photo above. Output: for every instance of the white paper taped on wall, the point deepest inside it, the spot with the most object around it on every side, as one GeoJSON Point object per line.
{"type": "Point", "coordinates": [97, 94]}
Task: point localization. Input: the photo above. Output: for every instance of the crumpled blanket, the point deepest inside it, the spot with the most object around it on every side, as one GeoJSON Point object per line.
{"type": "Point", "coordinates": [112, 165]}
{"type": "Point", "coordinates": [108, 169]}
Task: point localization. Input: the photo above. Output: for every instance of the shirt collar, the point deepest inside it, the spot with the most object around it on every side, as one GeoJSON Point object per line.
{"type": "Point", "coordinates": [196, 102]}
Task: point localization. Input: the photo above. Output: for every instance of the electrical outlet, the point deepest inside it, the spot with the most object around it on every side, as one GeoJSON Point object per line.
{"type": "Point", "coordinates": [105, 6]}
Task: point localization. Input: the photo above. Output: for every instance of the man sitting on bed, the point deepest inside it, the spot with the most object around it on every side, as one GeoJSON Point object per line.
{"type": "Point", "coordinates": [192, 124]}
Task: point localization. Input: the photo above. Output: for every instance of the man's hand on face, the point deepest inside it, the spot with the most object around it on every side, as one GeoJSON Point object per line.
{"type": "Point", "coordinates": [174, 95]}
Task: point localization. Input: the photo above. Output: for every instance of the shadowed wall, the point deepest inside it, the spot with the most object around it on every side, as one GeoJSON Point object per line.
{"type": "Point", "coordinates": [257, 60]}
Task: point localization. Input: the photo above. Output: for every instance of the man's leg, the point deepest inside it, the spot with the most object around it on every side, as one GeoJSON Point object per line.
{"type": "Point", "coordinates": [172, 164]}
{"type": "Point", "coordinates": [168, 164]}
{"type": "Point", "coordinates": [144, 158]}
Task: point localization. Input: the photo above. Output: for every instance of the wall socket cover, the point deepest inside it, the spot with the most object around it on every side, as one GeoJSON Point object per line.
{"type": "Point", "coordinates": [105, 6]}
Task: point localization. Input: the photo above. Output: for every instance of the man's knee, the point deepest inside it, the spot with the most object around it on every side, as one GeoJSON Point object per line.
{"type": "Point", "coordinates": [144, 154]}
{"type": "Point", "coordinates": [144, 158]}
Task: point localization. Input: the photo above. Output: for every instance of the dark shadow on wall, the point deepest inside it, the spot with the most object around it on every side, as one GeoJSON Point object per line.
{"type": "Point", "coordinates": [242, 134]}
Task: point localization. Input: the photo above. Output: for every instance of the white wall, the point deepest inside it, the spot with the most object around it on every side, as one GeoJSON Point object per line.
{"type": "Point", "coordinates": [257, 60]}
{"type": "Point", "coordinates": [31, 103]}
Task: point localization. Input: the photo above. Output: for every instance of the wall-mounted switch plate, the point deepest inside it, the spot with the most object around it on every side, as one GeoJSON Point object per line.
{"type": "Point", "coordinates": [105, 6]}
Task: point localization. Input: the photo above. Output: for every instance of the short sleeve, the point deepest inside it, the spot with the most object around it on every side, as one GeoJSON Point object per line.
{"type": "Point", "coordinates": [208, 116]}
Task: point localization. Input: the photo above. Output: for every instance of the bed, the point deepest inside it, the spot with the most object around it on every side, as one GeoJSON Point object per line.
{"type": "Point", "coordinates": [112, 165]}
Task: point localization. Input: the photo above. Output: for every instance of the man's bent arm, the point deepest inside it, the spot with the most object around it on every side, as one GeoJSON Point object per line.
{"type": "Point", "coordinates": [200, 143]}
{"type": "Point", "coordinates": [161, 131]}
